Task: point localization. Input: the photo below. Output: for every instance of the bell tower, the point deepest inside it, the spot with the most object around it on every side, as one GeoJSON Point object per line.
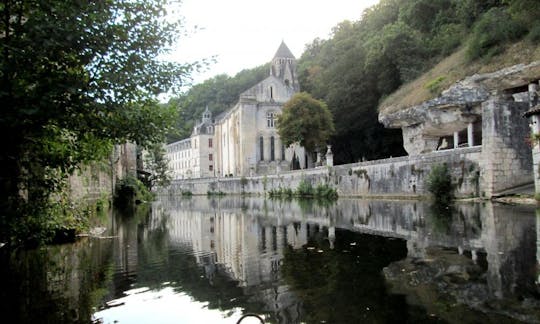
{"type": "Point", "coordinates": [207, 116]}
{"type": "Point", "coordinates": [284, 67]}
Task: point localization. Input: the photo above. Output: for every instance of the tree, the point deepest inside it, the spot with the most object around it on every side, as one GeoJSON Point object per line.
{"type": "Point", "coordinates": [306, 121]}
{"type": "Point", "coordinates": [157, 164]}
{"type": "Point", "coordinates": [75, 77]}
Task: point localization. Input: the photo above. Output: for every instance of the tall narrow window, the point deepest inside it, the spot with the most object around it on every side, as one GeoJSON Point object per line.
{"type": "Point", "coordinates": [270, 119]}
{"type": "Point", "coordinates": [210, 157]}
{"type": "Point", "coordinates": [261, 148]}
{"type": "Point", "coordinates": [283, 152]}
{"type": "Point", "coordinates": [210, 142]}
{"type": "Point", "coordinates": [272, 156]}
{"type": "Point", "coordinates": [271, 93]}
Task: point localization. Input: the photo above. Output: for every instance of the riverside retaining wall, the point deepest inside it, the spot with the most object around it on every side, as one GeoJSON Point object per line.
{"type": "Point", "coordinates": [401, 177]}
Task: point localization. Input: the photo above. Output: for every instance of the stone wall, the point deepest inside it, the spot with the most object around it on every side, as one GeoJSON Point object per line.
{"type": "Point", "coordinates": [98, 179]}
{"type": "Point", "coordinates": [507, 156]}
{"type": "Point", "coordinates": [395, 177]}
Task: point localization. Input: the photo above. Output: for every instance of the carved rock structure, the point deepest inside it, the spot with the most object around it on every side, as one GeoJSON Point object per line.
{"type": "Point", "coordinates": [483, 110]}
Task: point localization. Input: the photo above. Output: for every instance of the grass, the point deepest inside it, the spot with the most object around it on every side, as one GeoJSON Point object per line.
{"type": "Point", "coordinates": [454, 68]}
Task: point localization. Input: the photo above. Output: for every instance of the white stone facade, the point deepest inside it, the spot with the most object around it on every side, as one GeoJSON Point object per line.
{"type": "Point", "coordinates": [179, 155]}
{"type": "Point", "coordinates": [243, 141]}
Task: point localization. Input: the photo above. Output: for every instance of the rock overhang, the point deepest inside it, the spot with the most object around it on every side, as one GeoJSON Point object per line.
{"type": "Point", "coordinates": [462, 99]}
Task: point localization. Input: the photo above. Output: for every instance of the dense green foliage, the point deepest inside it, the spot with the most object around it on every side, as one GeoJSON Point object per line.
{"type": "Point", "coordinates": [157, 164]}
{"type": "Point", "coordinates": [364, 61]}
{"type": "Point", "coordinates": [439, 183]}
{"type": "Point", "coordinates": [305, 121]}
{"type": "Point", "coordinates": [495, 29]}
{"type": "Point", "coordinates": [130, 191]}
{"type": "Point", "coordinates": [306, 190]}
{"type": "Point", "coordinates": [393, 43]}
{"type": "Point", "coordinates": [76, 77]}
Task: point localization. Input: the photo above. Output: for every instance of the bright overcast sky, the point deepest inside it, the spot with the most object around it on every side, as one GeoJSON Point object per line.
{"type": "Point", "coordinates": [244, 34]}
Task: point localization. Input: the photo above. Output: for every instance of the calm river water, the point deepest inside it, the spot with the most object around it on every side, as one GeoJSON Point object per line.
{"type": "Point", "coordinates": [212, 260]}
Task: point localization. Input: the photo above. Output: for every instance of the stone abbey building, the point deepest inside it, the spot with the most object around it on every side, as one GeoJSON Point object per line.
{"type": "Point", "coordinates": [243, 140]}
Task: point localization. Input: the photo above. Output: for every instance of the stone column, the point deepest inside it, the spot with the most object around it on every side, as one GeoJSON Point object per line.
{"type": "Point", "coordinates": [456, 139]}
{"type": "Point", "coordinates": [533, 95]}
{"type": "Point", "coordinates": [534, 124]}
{"type": "Point", "coordinates": [470, 135]}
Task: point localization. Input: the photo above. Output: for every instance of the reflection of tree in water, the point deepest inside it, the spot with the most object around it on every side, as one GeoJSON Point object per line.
{"type": "Point", "coordinates": [346, 284]}
{"type": "Point", "coordinates": [57, 284]}
{"type": "Point", "coordinates": [441, 216]}
{"type": "Point", "coordinates": [309, 205]}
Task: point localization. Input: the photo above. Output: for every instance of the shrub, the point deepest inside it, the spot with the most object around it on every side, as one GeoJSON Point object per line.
{"type": "Point", "coordinates": [434, 86]}
{"type": "Point", "coordinates": [186, 193]}
{"type": "Point", "coordinates": [325, 191]}
{"type": "Point", "coordinates": [439, 183]}
{"type": "Point", "coordinates": [129, 190]}
{"type": "Point", "coordinates": [215, 193]}
{"type": "Point", "coordinates": [534, 34]}
{"type": "Point", "coordinates": [448, 38]}
{"type": "Point", "coordinates": [305, 189]}
{"type": "Point", "coordinates": [493, 30]}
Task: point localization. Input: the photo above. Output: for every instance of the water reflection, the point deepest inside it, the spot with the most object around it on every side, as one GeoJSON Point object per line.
{"type": "Point", "coordinates": [247, 239]}
{"type": "Point", "coordinates": [57, 284]}
{"type": "Point", "coordinates": [212, 260]}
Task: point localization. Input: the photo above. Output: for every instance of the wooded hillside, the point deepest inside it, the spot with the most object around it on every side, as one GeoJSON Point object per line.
{"type": "Point", "coordinates": [365, 61]}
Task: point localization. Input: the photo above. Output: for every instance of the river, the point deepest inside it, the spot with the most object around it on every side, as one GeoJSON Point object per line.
{"type": "Point", "coordinates": [213, 260]}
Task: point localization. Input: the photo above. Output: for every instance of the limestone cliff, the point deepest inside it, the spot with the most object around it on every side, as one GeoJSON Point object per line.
{"type": "Point", "coordinates": [424, 125]}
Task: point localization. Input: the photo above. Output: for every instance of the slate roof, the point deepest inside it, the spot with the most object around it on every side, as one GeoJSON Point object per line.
{"type": "Point", "coordinates": [283, 51]}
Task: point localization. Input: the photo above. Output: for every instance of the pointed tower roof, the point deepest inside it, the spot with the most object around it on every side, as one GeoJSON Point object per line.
{"type": "Point", "coordinates": [283, 51]}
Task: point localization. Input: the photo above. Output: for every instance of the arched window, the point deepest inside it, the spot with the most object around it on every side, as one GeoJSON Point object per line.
{"type": "Point", "coordinates": [261, 148]}
{"type": "Point", "coordinates": [272, 155]}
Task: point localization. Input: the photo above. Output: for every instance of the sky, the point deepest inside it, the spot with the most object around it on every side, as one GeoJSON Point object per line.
{"type": "Point", "coordinates": [243, 34]}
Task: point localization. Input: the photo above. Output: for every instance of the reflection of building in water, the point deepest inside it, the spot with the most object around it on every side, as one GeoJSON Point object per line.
{"type": "Point", "coordinates": [509, 239]}
{"type": "Point", "coordinates": [246, 249]}
{"type": "Point", "coordinates": [126, 248]}
{"type": "Point", "coordinates": [250, 251]}
{"type": "Point", "coordinates": [247, 236]}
